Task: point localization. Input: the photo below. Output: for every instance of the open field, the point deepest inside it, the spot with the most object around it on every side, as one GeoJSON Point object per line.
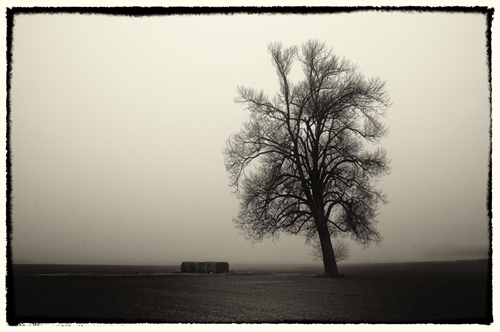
{"type": "Point", "coordinates": [441, 292]}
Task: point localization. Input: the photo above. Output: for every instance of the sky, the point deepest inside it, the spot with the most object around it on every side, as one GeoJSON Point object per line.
{"type": "Point", "coordinates": [118, 125]}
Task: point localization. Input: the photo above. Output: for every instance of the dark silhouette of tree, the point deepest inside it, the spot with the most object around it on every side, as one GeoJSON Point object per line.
{"type": "Point", "coordinates": [299, 165]}
{"type": "Point", "coordinates": [341, 249]}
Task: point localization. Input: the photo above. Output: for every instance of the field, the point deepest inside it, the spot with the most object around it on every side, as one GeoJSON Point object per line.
{"type": "Point", "coordinates": [437, 292]}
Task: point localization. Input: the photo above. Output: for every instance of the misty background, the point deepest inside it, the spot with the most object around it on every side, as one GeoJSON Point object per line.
{"type": "Point", "coordinates": [118, 124]}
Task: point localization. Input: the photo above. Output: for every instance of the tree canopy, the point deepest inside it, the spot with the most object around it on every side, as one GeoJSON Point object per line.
{"type": "Point", "coordinates": [299, 165]}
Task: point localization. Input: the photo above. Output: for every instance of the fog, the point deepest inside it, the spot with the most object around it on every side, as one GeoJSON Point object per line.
{"type": "Point", "coordinates": [118, 123]}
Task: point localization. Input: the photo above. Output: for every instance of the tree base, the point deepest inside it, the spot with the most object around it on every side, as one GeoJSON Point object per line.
{"type": "Point", "coordinates": [333, 276]}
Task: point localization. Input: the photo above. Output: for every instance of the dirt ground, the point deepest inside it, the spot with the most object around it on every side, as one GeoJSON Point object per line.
{"type": "Point", "coordinates": [454, 292]}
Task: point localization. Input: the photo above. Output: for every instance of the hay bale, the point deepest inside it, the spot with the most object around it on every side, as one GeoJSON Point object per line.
{"type": "Point", "coordinates": [204, 267]}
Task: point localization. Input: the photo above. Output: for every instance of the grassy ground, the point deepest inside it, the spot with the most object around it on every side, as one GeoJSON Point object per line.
{"type": "Point", "coordinates": [381, 293]}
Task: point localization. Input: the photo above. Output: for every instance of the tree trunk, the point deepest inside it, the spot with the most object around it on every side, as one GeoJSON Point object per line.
{"type": "Point", "coordinates": [327, 250]}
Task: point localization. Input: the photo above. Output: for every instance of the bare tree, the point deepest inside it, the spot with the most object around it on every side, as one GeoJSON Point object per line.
{"type": "Point", "coordinates": [299, 165]}
{"type": "Point", "coordinates": [341, 249]}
